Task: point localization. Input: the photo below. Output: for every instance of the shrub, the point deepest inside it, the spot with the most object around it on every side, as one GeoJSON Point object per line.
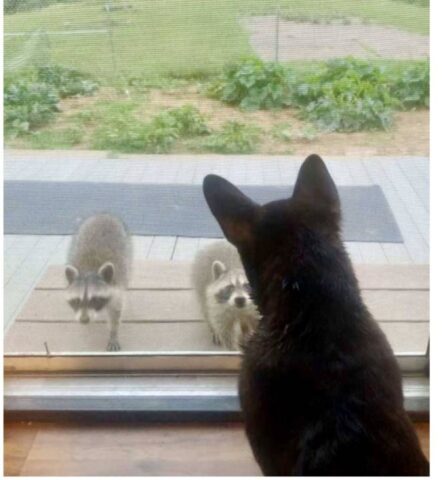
{"type": "Point", "coordinates": [28, 105]}
{"type": "Point", "coordinates": [31, 96]}
{"type": "Point", "coordinates": [412, 86]}
{"type": "Point", "coordinates": [188, 120]}
{"type": "Point", "coordinates": [122, 132]}
{"type": "Point", "coordinates": [161, 133]}
{"type": "Point", "coordinates": [352, 95]}
{"type": "Point", "coordinates": [344, 95]}
{"type": "Point", "coordinates": [166, 127]}
{"type": "Point", "coordinates": [253, 84]}
{"type": "Point", "coordinates": [234, 137]}
{"type": "Point", "coordinates": [67, 81]}
{"type": "Point", "coordinates": [347, 95]}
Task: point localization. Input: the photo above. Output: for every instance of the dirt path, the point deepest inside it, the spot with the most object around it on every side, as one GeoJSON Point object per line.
{"type": "Point", "coordinates": [315, 41]}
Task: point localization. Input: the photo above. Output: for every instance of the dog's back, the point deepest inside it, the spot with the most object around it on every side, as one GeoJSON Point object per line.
{"type": "Point", "coordinates": [320, 387]}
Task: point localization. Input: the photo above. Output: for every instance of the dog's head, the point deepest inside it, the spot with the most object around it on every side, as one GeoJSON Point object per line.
{"type": "Point", "coordinates": [259, 232]}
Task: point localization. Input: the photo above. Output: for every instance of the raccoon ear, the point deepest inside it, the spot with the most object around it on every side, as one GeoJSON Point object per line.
{"type": "Point", "coordinates": [235, 212]}
{"type": "Point", "coordinates": [218, 268]}
{"type": "Point", "coordinates": [107, 271]}
{"type": "Point", "coordinates": [316, 188]}
{"type": "Point", "coordinates": [71, 273]}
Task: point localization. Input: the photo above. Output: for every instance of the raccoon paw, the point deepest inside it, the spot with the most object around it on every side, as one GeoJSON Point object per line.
{"type": "Point", "coordinates": [113, 346]}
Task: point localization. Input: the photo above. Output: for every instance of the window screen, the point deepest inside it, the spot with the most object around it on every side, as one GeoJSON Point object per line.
{"type": "Point", "coordinates": [123, 106]}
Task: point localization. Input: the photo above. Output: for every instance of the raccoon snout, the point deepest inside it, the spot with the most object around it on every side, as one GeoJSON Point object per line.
{"type": "Point", "coordinates": [240, 302]}
{"type": "Point", "coordinates": [84, 318]}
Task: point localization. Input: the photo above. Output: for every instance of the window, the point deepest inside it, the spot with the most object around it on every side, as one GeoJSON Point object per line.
{"type": "Point", "coordinates": [125, 105]}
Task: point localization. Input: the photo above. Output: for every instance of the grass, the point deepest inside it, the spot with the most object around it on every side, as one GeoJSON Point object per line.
{"type": "Point", "coordinates": [181, 38]}
{"type": "Point", "coordinates": [155, 37]}
{"type": "Point", "coordinates": [55, 139]}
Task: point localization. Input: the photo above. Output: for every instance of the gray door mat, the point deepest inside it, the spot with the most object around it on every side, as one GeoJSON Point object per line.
{"type": "Point", "coordinates": [56, 208]}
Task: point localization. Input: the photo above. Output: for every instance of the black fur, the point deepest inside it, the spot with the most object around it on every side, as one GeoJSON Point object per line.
{"type": "Point", "coordinates": [319, 386]}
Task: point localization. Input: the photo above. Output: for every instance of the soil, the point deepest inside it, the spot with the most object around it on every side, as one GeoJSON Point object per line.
{"type": "Point", "coordinates": [316, 41]}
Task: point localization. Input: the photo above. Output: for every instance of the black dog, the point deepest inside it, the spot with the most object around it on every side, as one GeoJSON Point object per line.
{"type": "Point", "coordinates": [320, 387]}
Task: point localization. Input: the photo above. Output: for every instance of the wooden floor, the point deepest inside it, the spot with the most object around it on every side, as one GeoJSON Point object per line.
{"type": "Point", "coordinates": [63, 449]}
{"type": "Point", "coordinates": [162, 314]}
{"type": "Point", "coordinates": [404, 181]}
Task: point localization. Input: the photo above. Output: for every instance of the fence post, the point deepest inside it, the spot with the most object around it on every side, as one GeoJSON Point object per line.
{"type": "Point", "coordinates": [111, 38]}
{"type": "Point", "coordinates": [277, 34]}
{"type": "Point", "coordinates": [49, 56]}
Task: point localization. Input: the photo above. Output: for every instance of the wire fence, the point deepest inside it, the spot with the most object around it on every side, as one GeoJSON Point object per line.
{"type": "Point", "coordinates": [109, 37]}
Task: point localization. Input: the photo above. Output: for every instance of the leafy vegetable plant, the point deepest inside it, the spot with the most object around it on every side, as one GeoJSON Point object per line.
{"type": "Point", "coordinates": [234, 137]}
{"type": "Point", "coordinates": [253, 84]}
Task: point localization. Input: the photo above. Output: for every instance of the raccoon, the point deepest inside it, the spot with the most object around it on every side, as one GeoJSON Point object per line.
{"type": "Point", "coordinates": [98, 271]}
{"type": "Point", "coordinates": [223, 292]}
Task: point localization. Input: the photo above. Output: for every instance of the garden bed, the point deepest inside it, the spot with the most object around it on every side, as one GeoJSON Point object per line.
{"type": "Point", "coordinates": [281, 131]}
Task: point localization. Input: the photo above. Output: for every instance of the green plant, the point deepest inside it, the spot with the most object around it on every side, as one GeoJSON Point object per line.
{"type": "Point", "coordinates": [60, 138]}
{"type": "Point", "coordinates": [121, 131]}
{"type": "Point", "coordinates": [84, 117]}
{"type": "Point", "coordinates": [411, 86]}
{"type": "Point", "coordinates": [253, 84]}
{"type": "Point", "coordinates": [188, 120]}
{"type": "Point", "coordinates": [346, 95]}
{"type": "Point", "coordinates": [68, 82]}
{"type": "Point", "coordinates": [27, 105]}
{"type": "Point", "coordinates": [169, 125]}
{"type": "Point", "coordinates": [161, 133]}
{"type": "Point", "coordinates": [308, 134]}
{"type": "Point", "coordinates": [31, 96]}
{"type": "Point", "coordinates": [234, 137]}
{"type": "Point", "coordinates": [121, 134]}
{"type": "Point", "coordinates": [282, 132]}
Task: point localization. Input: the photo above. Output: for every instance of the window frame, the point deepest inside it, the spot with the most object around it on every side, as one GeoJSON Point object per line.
{"type": "Point", "coordinates": [165, 385]}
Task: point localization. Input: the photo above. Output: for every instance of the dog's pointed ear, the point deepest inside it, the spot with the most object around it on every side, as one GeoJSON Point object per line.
{"type": "Point", "coordinates": [235, 212]}
{"type": "Point", "coordinates": [316, 189]}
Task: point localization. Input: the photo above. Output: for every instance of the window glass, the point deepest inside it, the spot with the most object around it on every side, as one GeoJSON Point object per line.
{"type": "Point", "coordinates": [124, 106]}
